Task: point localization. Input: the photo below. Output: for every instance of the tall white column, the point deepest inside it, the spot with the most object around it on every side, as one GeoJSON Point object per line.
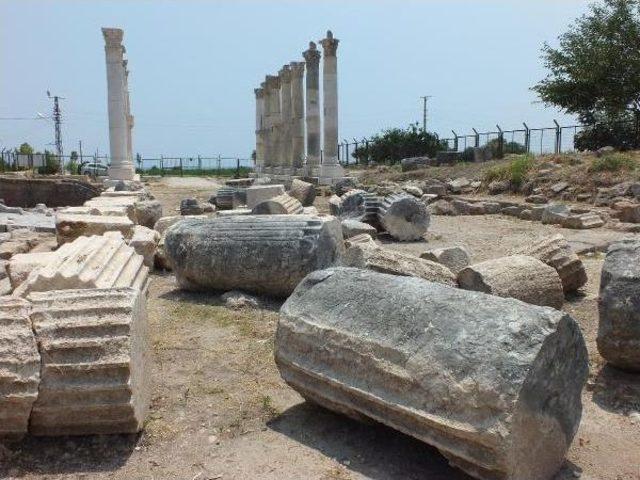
{"type": "Point", "coordinates": [121, 166]}
{"type": "Point", "coordinates": [312, 58]}
{"type": "Point", "coordinates": [259, 129]}
{"type": "Point", "coordinates": [285, 98]}
{"type": "Point", "coordinates": [297, 116]}
{"type": "Point", "coordinates": [268, 125]}
{"type": "Point", "coordinates": [129, 116]}
{"type": "Point", "coordinates": [330, 168]}
{"type": "Point", "coordinates": [275, 144]}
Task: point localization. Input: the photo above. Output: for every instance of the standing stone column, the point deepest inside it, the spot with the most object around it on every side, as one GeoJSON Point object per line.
{"type": "Point", "coordinates": [312, 58]}
{"type": "Point", "coordinates": [275, 143]}
{"type": "Point", "coordinates": [297, 117]}
{"type": "Point", "coordinates": [121, 166]}
{"type": "Point", "coordinates": [128, 110]}
{"type": "Point", "coordinates": [285, 96]}
{"type": "Point", "coordinates": [268, 125]}
{"type": "Point", "coordinates": [259, 129]}
{"type": "Point", "coordinates": [330, 168]}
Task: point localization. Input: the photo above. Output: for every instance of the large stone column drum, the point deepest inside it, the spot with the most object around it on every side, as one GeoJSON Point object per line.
{"type": "Point", "coordinates": [297, 116]}
{"type": "Point", "coordinates": [312, 58]}
{"type": "Point", "coordinates": [285, 104]}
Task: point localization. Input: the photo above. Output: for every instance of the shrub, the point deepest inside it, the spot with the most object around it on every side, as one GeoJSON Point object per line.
{"type": "Point", "coordinates": [620, 134]}
{"type": "Point", "coordinates": [612, 163]}
{"type": "Point", "coordinates": [515, 172]}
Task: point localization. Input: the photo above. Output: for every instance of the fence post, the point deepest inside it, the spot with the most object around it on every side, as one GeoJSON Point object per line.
{"type": "Point", "coordinates": [181, 173]}
{"type": "Point", "coordinates": [237, 168]}
{"type": "Point", "coordinates": [455, 141]}
{"type": "Point", "coordinates": [527, 137]}
{"type": "Point", "coordinates": [558, 137]}
{"type": "Point", "coordinates": [219, 165]}
{"type": "Point", "coordinates": [500, 142]}
{"type": "Point", "coordinates": [476, 138]}
{"type": "Point", "coordinates": [339, 146]}
{"type": "Point", "coordinates": [199, 165]}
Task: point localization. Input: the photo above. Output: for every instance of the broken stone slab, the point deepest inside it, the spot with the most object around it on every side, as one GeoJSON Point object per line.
{"type": "Point", "coordinates": [165, 222]}
{"type": "Point", "coordinates": [414, 163]}
{"type": "Point", "coordinates": [454, 258]}
{"type": "Point", "coordinates": [281, 205]}
{"type": "Point", "coordinates": [459, 184]}
{"type": "Point", "coordinates": [435, 187]}
{"type": "Point", "coordinates": [343, 185]}
{"type": "Point", "coordinates": [19, 367]}
{"type": "Point", "coordinates": [556, 252]}
{"type": "Point", "coordinates": [95, 361]}
{"type": "Point", "coordinates": [351, 228]}
{"type": "Point", "coordinates": [517, 276]}
{"type": "Point", "coordinates": [264, 254]}
{"type": "Point", "coordinates": [12, 247]}
{"type": "Point", "coordinates": [628, 212]}
{"type": "Point", "coordinates": [145, 241]}
{"type": "Point", "coordinates": [499, 186]}
{"type": "Point", "coordinates": [558, 187]}
{"type": "Point", "coordinates": [304, 192]}
{"type": "Point", "coordinates": [513, 210]}
{"type": "Point", "coordinates": [619, 306]}
{"type": "Point", "coordinates": [413, 190]}
{"type": "Point", "coordinates": [190, 206]}
{"type": "Point", "coordinates": [555, 214]}
{"type": "Point", "coordinates": [350, 205]}
{"type": "Point", "coordinates": [20, 266]}
{"type": "Point", "coordinates": [481, 378]}
{"type": "Point", "coordinates": [260, 193]}
{"type": "Point", "coordinates": [583, 221]}
{"type": "Point", "coordinates": [126, 202]}
{"type": "Point", "coordinates": [360, 238]}
{"type": "Point", "coordinates": [536, 199]}
{"type": "Point", "coordinates": [404, 217]}
{"type": "Point", "coordinates": [147, 212]}
{"type": "Point", "coordinates": [226, 198]}
{"type": "Point", "coordinates": [428, 198]}
{"type": "Point", "coordinates": [235, 211]}
{"type": "Point", "coordinates": [71, 227]}
{"type": "Point", "coordinates": [109, 210]}
{"type": "Point", "coordinates": [37, 222]}
{"type": "Point", "coordinates": [89, 262]}
{"type": "Point", "coordinates": [370, 256]}
{"type": "Point", "coordinates": [136, 194]}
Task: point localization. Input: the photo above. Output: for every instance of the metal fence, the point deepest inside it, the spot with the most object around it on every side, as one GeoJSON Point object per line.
{"type": "Point", "coordinates": [537, 141]}
{"type": "Point", "coordinates": [11, 161]}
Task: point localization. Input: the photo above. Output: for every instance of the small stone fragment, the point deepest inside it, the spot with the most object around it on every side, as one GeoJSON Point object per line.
{"type": "Point", "coordinates": [304, 192]}
{"type": "Point", "coordinates": [281, 205]}
{"type": "Point", "coordinates": [454, 258]}
{"type": "Point", "coordinates": [351, 228]}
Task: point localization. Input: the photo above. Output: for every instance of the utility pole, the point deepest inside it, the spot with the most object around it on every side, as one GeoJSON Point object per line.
{"type": "Point", "coordinates": [57, 120]}
{"type": "Point", "coordinates": [424, 111]}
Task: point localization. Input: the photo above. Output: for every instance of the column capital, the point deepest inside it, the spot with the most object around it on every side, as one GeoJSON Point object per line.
{"type": "Point", "coordinates": [113, 36]}
{"type": "Point", "coordinates": [312, 55]}
{"type": "Point", "coordinates": [329, 44]}
{"type": "Point", "coordinates": [272, 81]}
{"type": "Point", "coordinates": [297, 69]}
{"type": "Point", "coordinates": [259, 92]}
{"type": "Point", "coordinates": [285, 74]}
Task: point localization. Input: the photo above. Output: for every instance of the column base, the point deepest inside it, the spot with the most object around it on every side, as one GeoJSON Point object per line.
{"type": "Point", "coordinates": [122, 172]}
{"type": "Point", "coordinates": [330, 173]}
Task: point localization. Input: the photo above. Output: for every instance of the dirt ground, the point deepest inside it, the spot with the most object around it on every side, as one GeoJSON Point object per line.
{"type": "Point", "coordinates": [220, 410]}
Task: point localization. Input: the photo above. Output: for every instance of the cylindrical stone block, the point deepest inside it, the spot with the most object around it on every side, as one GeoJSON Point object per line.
{"type": "Point", "coordinates": [312, 100]}
{"type": "Point", "coordinates": [404, 217]}
{"type": "Point", "coordinates": [281, 205]}
{"type": "Point", "coordinates": [493, 383]}
{"type": "Point", "coordinates": [266, 254]}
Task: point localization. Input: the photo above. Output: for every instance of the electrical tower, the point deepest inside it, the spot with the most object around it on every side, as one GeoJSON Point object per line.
{"type": "Point", "coordinates": [424, 111]}
{"type": "Point", "coordinates": [57, 120]}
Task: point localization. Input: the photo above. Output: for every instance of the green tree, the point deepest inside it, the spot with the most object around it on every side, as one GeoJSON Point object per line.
{"type": "Point", "coordinates": [25, 149]}
{"type": "Point", "coordinates": [72, 166]}
{"type": "Point", "coordinates": [394, 144]}
{"type": "Point", "coordinates": [594, 72]}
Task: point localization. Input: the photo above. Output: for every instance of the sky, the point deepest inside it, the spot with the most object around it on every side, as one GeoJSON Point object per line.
{"type": "Point", "coordinates": [194, 64]}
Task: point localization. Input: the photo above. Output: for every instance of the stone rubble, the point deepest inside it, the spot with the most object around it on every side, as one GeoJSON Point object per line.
{"type": "Point", "coordinates": [260, 193]}
{"type": "Point", "coordinates": [351, 228]}
{"type": "Point", "coordinates": [304, 192]}
{"type": "Point", "coordinates": [454, 258]}
{"type": "Point", "coordinates": [71, 227]}
{"type": "Point", "coordinates": [281, 205]}
{"type": "Point", "coordinates": [404, 217]}
{"type": "Point", "coordinates": [481, 378]}
{"type": "Point", "coordinates": [145, 241]}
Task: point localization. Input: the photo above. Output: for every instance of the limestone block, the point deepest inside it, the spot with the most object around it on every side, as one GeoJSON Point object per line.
{"type": "Point", "coordinates": [413, 190]}
{"type": "Point", "coordinates": [458, 185]}
{"type": "Point", "coordinates": [351, 228]}
{"type": "Point", "coordinates": [259, 193]}
{"type": "Point", "coordinates": [454, 258]}
{"type": "Point", "coordinates": [190, 206]}
{"type": "Point", "coordinates": [555, 214]}
{"type": "Point", "coordinates": [117, 211]}
{"type": "Point", "coordinates": [583, 221]}
{"type": "Point", "coordinates": [136, 194]}
{"type": "Point", "coordinates": [518, 276]}
{"type": "Point", "coordinates": [368, 255]}
{"type": "Point", "coordinates": [414, 163]}
{"type": "Point", "coordinates": [227, 198]}
{"type": "Point", "coordinates": [165, 222]}
{"type": "Point", "coordinates": [70, 227]}
{"type": "Point", "coordinates": [442, 207]}
{"type": "Point", "coordinates": [619, 306]}
{"type": "Point", "coordinates": [235, 211]}
{"type": "Point", "coordinates": [20, 266]}
{"type": "Point", "coordinates": [360, 238]}
{"type": "Point", "coordinates": [264, 254]}
{"type": "Point", "coordinates": [95, 361]}
{"type": "Point", "coordinates": [404, 217]}
{"type": "Point", "coordinates": [89, 262]}
{"type": "Point", "coordinates": [493, 383]}
{"type": "Point", "coordinates": [435, 187]}
{"type": "Point", "coordinates": [352, 204]}
{"type": "Point", "coordinates": [12, 247]}
{"type": "Point", "coordinates": [310, 211]}
{"type": "Point", "coordinates": [122, 202]}
{"type": "Point", "coordinates": [147, 212]}
{"type": "Point", "coordinates": [304, 192]}
{"type": "Point", "coordinates": [556, 252]}
{"type": "Point", "coordinates": [144, 241]}
{"type": "Point", "coordinates": [281, 205]}
{"type": "Point", "coordinates": [343, 185]}
{"type": "Point", "coordinates": [19, 367]}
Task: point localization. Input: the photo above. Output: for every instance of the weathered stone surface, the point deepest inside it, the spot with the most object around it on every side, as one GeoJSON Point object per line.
{"type": "Point", "coordinates": [558, 187]}
{"type": "Point", "coordinates": [518, 276]}
{"type": "Point", "coordinates": [414, 163]}
{"type": "Point", "coordinates": [361, 238]}
{"type": "Point", "coordinates": [281, 205]}
{"type": "Point", "coordinates": [190, 206]}
{"type": "Point", "coordinates": [413, 190]}
{"type": "Point", "coordinates": [144, 241]}
{"type": "Point", "coordinates": [555, 214]}
{"type": "Point", "coordinates": [304, 192]}
{"type": "Point", "coordinates": [454, 258]}
{"type": "Point", "coordinates": [236, 299]}
{"type": "Point", "coordinates": [267, 254]}
{"type": "Point", "coordinates": [89, 262]}
{"type": "Point", "coordinates": [19, 367]}
{"type": "Point", "coordinates": [628, 212]}
{"type": "Point", "coordinates": [165, 222]}
{"type": "Point", "coordinates": [536, 199]}
{"type": "Point", "coordinates": [110, 210]}
{"type": "Point", "coordinates": [404, 217]}
{"type": "Point", "coordinates": [557, 253]}
{"type": "Point", "coordinates": [351, 228]}
{"type": "Point", "coordinates": [442, 207]}
{"type": "Point", "coordinates": [343, 185]}
{"type": "Point", "coordinates": [70, 227]}
{"type": "Point", "coordinates": [493, 383]}
{"type": "Point", "coordinates": [498, 186]}
{"type": "Point", "coordinates": [147, 212]}
{"type": "Point", "coordinates": [54, 191]}
{"type": "Point", "coordinates": [350, 205]}
{"type": "Point", "coordinates": [259, 193]}
{"type": "Point", "coordinates": [226, 198]}
{"type": "Point", "coordinates": [619, 306]}
{"type": "Point", "coordinates": [428, 198]}
{"type": "Point", "coordinates": [435, 187]}
{"type": "Point", "coordinates": [95, 361]}
{"type": "Point", "coordinates": [458, 185]}
{"type": "Point", "coordinates": [370, 256]}
{"type": "Point", "coordinates": [126, 202]}
{"type": "Point", "coordinates": [583, 221]}
{"type": "Point", "coordinates": [512, 211]}
{"type": "Point", "coordinates": [21, 265]}
{"type": "Point", "coordinates": [237, 211]}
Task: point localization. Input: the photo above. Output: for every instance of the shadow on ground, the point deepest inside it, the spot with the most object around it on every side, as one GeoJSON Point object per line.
{"type": "Point", "coordinates": [376, 451]}
{"type": "Point", "coordinates": [65, 455]}
{"type": "Point", "coordinates": [617, 391]}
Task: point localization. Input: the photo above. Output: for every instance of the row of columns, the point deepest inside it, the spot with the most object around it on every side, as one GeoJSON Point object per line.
{"type": "Point", "coordinates": [281, 104]}
{"type": "Point", "coordinates": [119, 108]}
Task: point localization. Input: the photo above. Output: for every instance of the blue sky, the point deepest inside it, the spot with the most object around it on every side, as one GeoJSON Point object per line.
{"type": "Point", "coordinates": [194, 65]}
